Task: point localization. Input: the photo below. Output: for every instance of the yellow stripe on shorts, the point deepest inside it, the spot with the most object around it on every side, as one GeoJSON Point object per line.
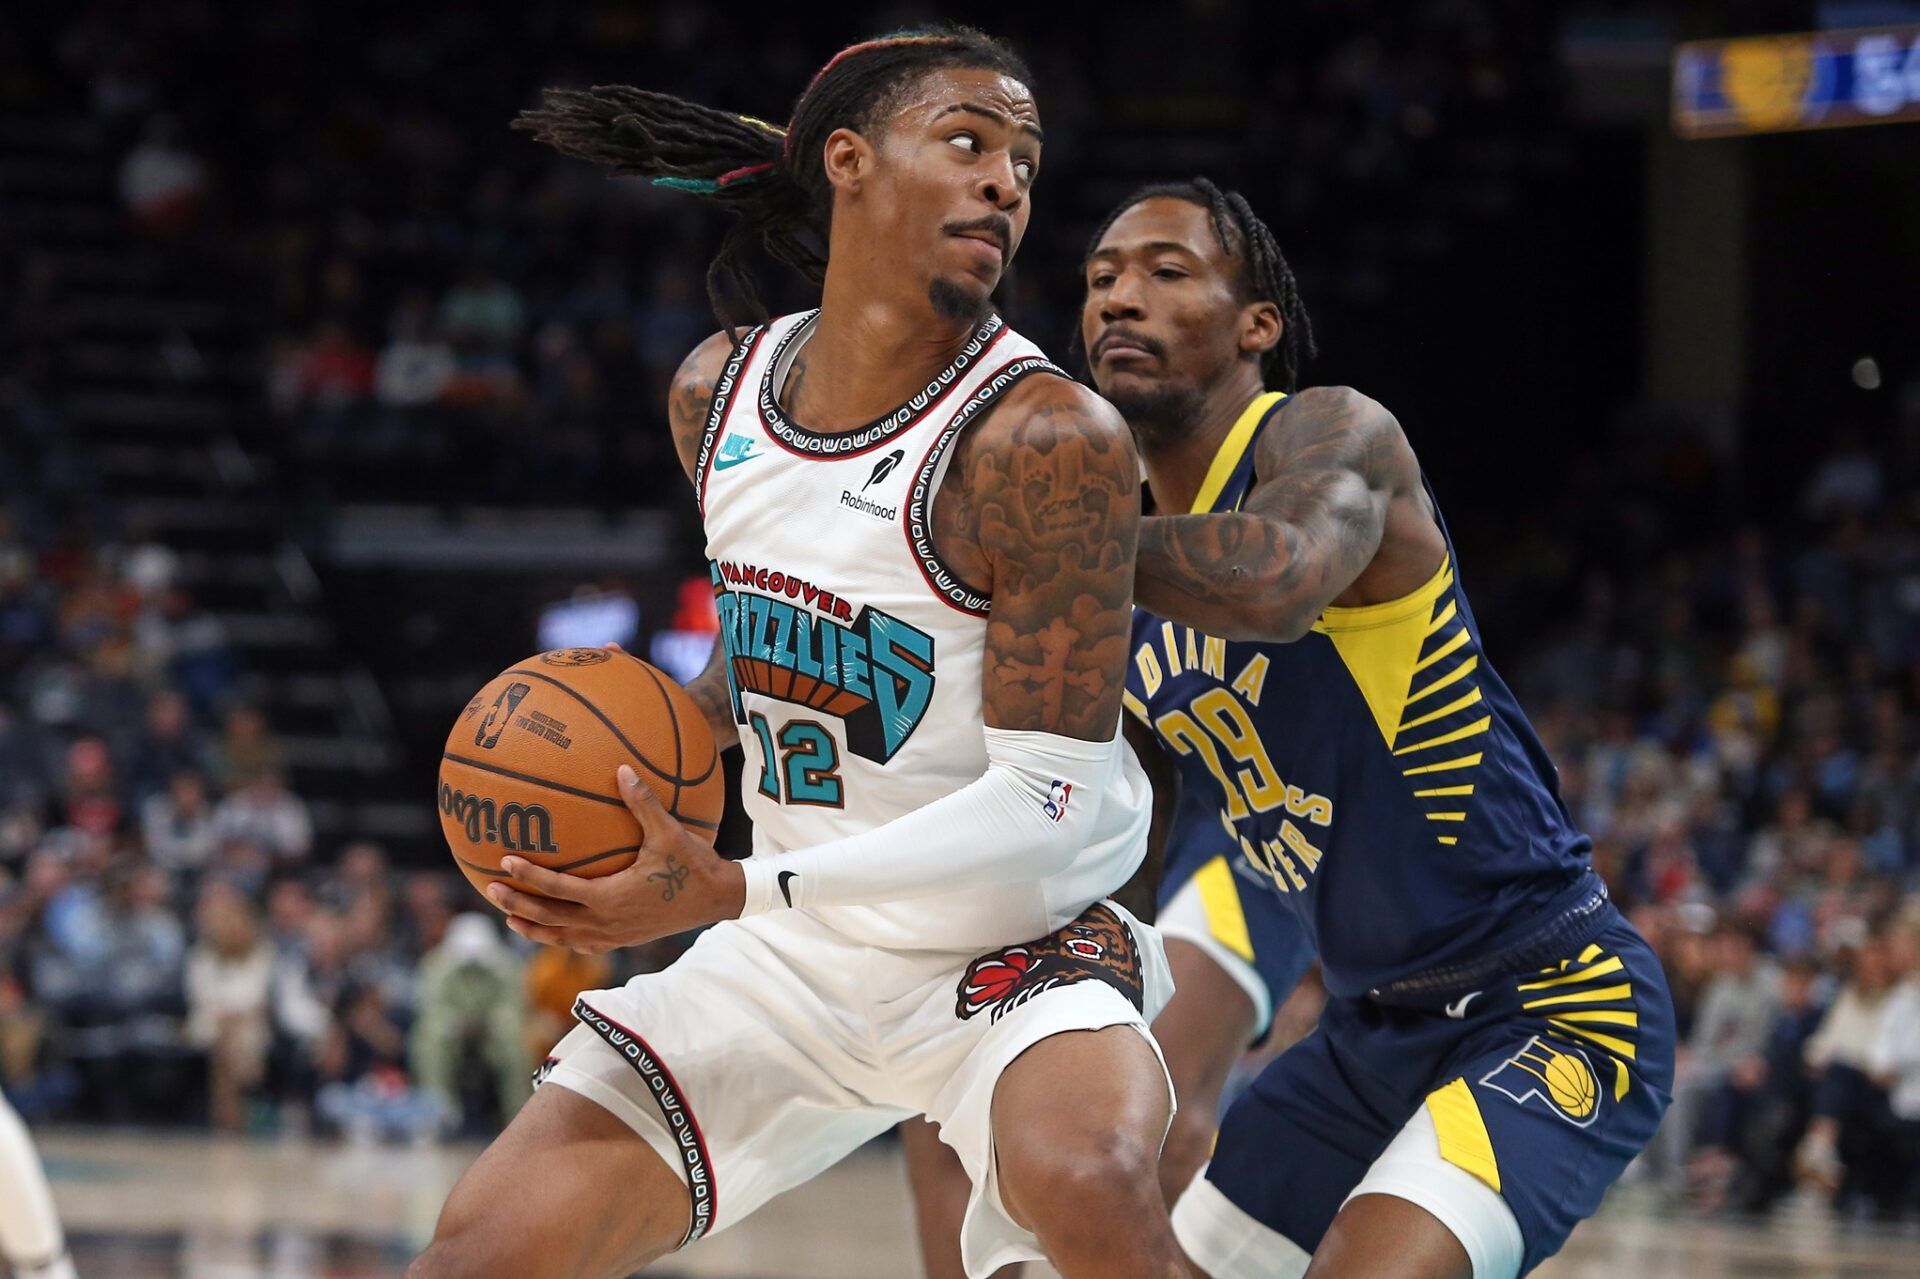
{"type": "Point", "coordinates": [1463, 1133]}
{"type": "Point", "coordinates": [1220, 899]}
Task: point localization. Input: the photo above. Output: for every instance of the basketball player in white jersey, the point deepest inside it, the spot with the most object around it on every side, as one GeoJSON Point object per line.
{"type": "Point", "coordinates": [922, 541]}
{"type": "Point", "coordinates": [30, 1238]}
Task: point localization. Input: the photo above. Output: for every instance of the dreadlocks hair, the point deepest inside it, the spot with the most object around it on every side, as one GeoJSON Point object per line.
{"type": "Point", "coordinates": [771, 178]}
{"type": "Point", "coordinates": [1264, 273]}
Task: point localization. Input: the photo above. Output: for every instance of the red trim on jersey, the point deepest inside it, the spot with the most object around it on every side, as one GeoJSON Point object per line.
{"type": "Point", "coordinates": [680, 1094]}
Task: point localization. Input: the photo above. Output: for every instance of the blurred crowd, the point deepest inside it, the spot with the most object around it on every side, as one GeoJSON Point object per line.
{"type": "Point", "coordinates": [1734, 722]}
{"type": "Point", "coordinates": [451, 310]}
{"type": "Point", "coordinates": [173, 947]}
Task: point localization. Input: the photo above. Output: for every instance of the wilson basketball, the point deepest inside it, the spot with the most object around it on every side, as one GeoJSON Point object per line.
{"type": "Point", "coordinates": [529, 767]}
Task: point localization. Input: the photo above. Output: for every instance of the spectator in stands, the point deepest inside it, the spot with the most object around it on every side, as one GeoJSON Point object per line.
{"type": "Point", "coordinates": [89, 800]}
{"type": "Point", "coordinates": [177, 825]}
{"type": "Point", "coordinates": [247, 747]}
{"type": "Point", "coordinates": [366, 1092]}
{"type": "Point", "coordinates": [417, 363]}
{"type": "Point", "coordinates": [263, 811]}
{"type": "Point", "coordinates": [167, 743]}
{"type": "Point", "coordinates": [472, 1013]}
{"type": "Point", "coordinates": [1848, 1147]}
{"type": "Point", "coordinates": [555, 978]}
{"type": "Point", "coordinates": [1726, 1065]}
{"type": "Point", "coordinates": [309, 981]}
{"type": "Point", "coordinates": [427, 910]}
{"type": "Point", "coordinates": [195, 652]}
{"type": "Point", "coordinates": [229, 977]}
{"type": "Point", "coordinates": [482, 317]}
{"type": "Point", "coordinates": [1895, 1060]}
{"type": "Point", "coordinates": [1776, 1112]}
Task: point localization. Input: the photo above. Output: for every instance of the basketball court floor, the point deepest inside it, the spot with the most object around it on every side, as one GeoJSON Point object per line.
{"type": "Point", "coordinates": [195, 1207]}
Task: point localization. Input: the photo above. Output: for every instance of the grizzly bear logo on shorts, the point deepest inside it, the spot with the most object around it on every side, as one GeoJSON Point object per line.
{"type": "Point", "coordinates": [1098, 946]}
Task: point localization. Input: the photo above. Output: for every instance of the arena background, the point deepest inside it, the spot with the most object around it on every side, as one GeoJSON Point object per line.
{"type": "Point", "coordinates": [323, 397]}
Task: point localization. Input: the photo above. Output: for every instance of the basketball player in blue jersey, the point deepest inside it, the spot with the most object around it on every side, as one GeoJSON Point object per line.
{"type": "Point", "coordinates": [1498, 1041]}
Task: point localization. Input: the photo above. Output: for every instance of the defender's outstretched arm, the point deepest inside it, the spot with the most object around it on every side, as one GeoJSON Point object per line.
{"type": "Point", "coordinates": [1326, 470]}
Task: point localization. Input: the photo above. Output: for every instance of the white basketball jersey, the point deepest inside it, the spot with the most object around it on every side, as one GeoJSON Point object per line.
{"type": "Point", "coordinates": [854, 653]}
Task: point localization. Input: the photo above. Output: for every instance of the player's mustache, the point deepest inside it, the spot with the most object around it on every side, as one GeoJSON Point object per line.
{"type": "Point", "coordinates": [1118, 334]}
{"type": "Point", "coordinates": [998, 225]}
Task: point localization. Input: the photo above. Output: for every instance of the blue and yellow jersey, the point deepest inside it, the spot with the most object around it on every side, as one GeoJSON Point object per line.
{"type": "Point", "coordinates": [1376, 770]}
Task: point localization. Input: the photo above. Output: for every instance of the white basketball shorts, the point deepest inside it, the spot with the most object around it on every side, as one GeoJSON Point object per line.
{"type": "Point", "coordinates": [776, 1046]}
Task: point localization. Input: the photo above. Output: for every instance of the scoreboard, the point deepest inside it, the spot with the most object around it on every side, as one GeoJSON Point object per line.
{"type": "Point", "coordinates": [1814, 80]}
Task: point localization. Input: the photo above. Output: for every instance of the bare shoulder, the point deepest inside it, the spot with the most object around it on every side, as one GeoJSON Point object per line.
{"type": "Point", "coordinates": [692, 394]}
{"type": "Point", "coordinates": [1338, 428]}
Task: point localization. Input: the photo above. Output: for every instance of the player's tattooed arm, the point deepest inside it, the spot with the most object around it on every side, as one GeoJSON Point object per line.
{"type": "Point", "coordinates": [1051, 493]}
{"type": "Point", "coordinates": [688, 402]}
{"type": "Point", "coordinates": [691, 396]}
{"type": "Point", "coordinates": [711, 694]}
{"type": "Point", "coordinates": [1326, 471]}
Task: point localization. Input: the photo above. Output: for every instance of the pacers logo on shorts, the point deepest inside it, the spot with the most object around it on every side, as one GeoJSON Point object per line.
{"type": "Point", "coordinates": [1560, 1077]}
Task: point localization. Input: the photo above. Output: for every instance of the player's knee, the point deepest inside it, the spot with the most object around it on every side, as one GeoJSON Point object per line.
{"type": "Point", "coordinates": [1089, 1186]}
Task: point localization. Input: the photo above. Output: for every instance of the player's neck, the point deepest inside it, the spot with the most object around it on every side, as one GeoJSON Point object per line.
{"type": "Point", "coordinates": [868, 354]}
{"type": "Point", "coordinates": [1179, 456]}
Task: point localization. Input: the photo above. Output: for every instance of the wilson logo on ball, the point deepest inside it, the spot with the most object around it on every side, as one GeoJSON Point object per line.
{"type": "Point", "coordinates": [517, 828]}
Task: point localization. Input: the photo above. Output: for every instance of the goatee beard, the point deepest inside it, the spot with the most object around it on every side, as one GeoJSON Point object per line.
{"type": "Point", "coordinates": [954, 302]}
{"type": "Point", "coordinates": [1158, 413]}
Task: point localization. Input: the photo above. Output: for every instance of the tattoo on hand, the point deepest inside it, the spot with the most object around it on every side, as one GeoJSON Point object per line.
{"type": "Point", "coordinates": [673, 879]}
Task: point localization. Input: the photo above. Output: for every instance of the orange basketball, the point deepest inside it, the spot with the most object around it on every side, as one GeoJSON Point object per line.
{"type": "Point", "coordinates": [529, 767]}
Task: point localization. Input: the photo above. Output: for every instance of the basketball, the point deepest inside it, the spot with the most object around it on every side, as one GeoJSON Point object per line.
{"type": "Point", "coordinates": [529, 767]}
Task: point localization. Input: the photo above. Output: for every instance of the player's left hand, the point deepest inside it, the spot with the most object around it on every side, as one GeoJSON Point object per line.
{"type": "Point", "coordinates": [676, 883]}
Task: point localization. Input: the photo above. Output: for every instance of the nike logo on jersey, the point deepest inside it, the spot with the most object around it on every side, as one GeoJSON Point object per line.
{"type": "Point", "coordinates": [1458, 1008]}
{"type": "Point", "coordinates": [784, 877]}
{"type": "Point", "coordinates": [734, 450]}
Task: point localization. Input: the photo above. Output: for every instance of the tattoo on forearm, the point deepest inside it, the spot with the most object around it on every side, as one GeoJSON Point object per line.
{"type": "Point", "coordinates": [672, 879]}
{"type": "Point", "coordinates": [1055, 500]}
{"type": "Point", "coordinates": [1327, 468]}
{"type": "Point", "coordinates": [712, 694]}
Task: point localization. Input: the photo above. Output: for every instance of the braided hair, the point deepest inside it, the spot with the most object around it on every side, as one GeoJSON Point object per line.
{"type": "Point", "coordinates": [1264, 274]}
{"type": "Point", "coordinates": [771, 178]}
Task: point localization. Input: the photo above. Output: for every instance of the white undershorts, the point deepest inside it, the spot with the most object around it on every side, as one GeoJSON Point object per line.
{"type": "Point", "coordinates": [1227, 1242]}
{"type": "Point", "coordinates": [1185, 916]}
{"type": "Point", "coordinates": [776, 1046]}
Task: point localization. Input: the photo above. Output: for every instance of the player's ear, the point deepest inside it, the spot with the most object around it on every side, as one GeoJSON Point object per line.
{"type": "Point", "coordinates": [1260, 328]}
{"type": "Point", "coordinates": [848, 158]}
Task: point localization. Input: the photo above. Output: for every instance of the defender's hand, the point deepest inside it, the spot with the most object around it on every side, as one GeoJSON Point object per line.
{"type": "Point", "coordinates": [677, 882]}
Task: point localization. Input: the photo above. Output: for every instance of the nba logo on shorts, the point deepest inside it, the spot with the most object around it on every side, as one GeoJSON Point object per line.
{"type": "Point", "coordinates": [1056, 805]}
{"type": "Point", "coordinates": [1562, 1078]}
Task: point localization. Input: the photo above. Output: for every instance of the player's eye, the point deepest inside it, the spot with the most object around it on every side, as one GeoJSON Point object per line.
{"type": "Point", "coordinates": [1101, 280]}
{"type": "Point", "coordinates": [966, 142]}
{"type": "Point", "coordinates": [1169, 273]}
{"type": "Point", "coordinates": [1025, 169]}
